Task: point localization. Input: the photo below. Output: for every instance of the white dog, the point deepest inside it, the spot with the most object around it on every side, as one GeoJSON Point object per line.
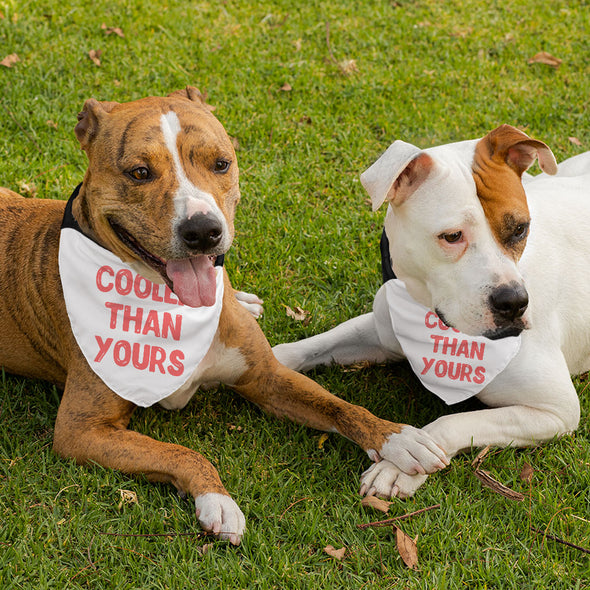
{"type": "Point", "coordinates": [457, 223]}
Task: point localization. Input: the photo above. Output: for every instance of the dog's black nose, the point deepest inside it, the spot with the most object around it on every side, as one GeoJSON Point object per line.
{"type": "Point", "coordinates": [509, 302]}
{"type": "Point", "coordinates": [201, 232]}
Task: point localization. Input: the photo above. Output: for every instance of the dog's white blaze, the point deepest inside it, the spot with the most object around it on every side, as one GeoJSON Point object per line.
{"type": "Point", "coordinates": [189, 199]}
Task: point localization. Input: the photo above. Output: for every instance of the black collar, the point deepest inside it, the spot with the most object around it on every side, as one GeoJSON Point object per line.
{"type": "Point", "coordinates": [386, 268]}
{"type": "Point", "coordinates": [69, 221]}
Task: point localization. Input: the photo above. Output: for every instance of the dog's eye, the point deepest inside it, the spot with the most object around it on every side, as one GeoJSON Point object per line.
{"type": "Point", "coordinates": [141, 173]}
{"type": "Point", "coordinates": [221, 166]}
{"type": "Point", "coordinates": [452, 237]}
{"type": "Point", "coordinates": [520, 231]}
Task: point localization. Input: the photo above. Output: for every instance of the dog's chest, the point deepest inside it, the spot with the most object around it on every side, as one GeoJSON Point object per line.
{"type": "Point", "coordinates": [135, 335]}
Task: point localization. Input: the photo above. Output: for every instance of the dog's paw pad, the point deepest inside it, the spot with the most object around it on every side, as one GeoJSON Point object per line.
{"type": "Point", "coordinates": [220, 515]}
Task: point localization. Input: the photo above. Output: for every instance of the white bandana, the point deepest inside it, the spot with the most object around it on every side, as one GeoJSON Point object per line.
{"type": "Point", "coordinates": [136, 335]}
{"type": "Point", "coordinates": [452, 365]}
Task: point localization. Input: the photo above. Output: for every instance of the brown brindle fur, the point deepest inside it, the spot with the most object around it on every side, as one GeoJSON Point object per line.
{"type": "Point", "coordinates": [37, 341]}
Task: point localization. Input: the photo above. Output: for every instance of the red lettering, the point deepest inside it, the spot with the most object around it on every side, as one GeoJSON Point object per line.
{"type": "Point", "coordinates": [124, 281]}
{"type": "Point", "coordinates": [156, 293]}
{"type": "Point", "coordinates": [105, 288]}
{"type": "Point", "coordinates": [177, 368]}
{"type": "Point", "coordinates": [431, 320]}
{"type": "Point", "coordinates": [157, 357]}
{"type": "Point", "coordinates": [465, 372]}
{"type": "Point", "coordinates": [463, 349]}
{"type": "Point", "coordinates": [174, 327]}
{"type": "Point", "coordinates": [142, 292]}
{"type": "Point", "coordinates": [440, 369]}
{"type": "Point", "coordinates": [152, 324]}
{"type": "Point", "coordinates": [169, 296]}
{"type": "Point", "coordinates": [103, 346]}
{"type": "Point", "coordinates": [124, 347]}
{"type": "Point", "coordinates": [477, 350]}
{"type": "Point", "coordinates": [457, 370]}
{"type": "Point", "coordinates": [449, 346]}
{"type": "Point", "coordinates": [436, 339]}
{"type": "Point", "coordinates": [141, 365]}
{"type": "Point", "coordinates": [115, 309]}
{"type": "Point", "coordinates": [128, 318]}
{"type": "Point", "coordinates": [480, 375]}
{"type": "Point", "coordinates": [427, 364]}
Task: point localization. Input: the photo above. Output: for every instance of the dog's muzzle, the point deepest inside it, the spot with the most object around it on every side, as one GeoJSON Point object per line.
{"type": "Point", "coordinates": [508, 304]}
{"type": "Point", "coordinates": [201, 232]}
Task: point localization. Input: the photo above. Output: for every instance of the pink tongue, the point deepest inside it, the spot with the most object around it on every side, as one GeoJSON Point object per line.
{"type": "Point", "coordinates": [193, 280]}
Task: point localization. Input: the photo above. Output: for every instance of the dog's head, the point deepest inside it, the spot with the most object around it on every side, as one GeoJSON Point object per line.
{"type": "Point", "coordinates": [161, 188]}
{"type": "Point", "coordinates": [457, 225]}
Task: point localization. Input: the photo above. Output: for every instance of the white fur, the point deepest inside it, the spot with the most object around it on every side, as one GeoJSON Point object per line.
{"type": "Point", "coordinates": [220, 515]}
{"type": "Point", "coordinates": [221, 364]}
{"type": "Point", "coordinates": [533, 400]}
{"type": "Point", "coordinates": [189, 199]}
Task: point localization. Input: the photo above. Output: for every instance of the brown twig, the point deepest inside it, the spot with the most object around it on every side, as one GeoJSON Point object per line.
{"type": "Point", "coordinates": [291, 506]}
{"type": "Point", "coordinates": [494, 485]}
{"type": "Point", "coordinates": [558, 540]}
{"type": "Point", "coordinates": [390, 521]}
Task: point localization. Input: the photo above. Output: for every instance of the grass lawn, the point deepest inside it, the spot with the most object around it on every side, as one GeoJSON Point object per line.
{"type": "Point", "coordinates": [312, 92]}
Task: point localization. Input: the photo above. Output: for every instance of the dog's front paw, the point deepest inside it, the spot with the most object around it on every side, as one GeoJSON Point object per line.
{"type": "Point", "coordinates": [413, 451]}
{"type": "Point", "coordinates": [251, 302]}
{"type": "Point", "coordinates": [384, 479]}
{"type": "Point", "coordinates": [220, 515]}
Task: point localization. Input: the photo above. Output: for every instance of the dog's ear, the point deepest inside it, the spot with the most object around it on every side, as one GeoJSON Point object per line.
{"type": "Point", "coordinates": [518, 150]}
{"type": "Point", "coordinates": [191, 93]}
{"type": "Point", "coordinates": [396, 174]}
{"type": "Point", "coordinates": [89, 118]}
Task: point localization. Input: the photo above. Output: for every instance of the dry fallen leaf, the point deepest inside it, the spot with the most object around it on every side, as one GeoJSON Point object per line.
{"type": "Point", "coordinates": [286, 87]}
{"type": "Point", "coordinates": [407, 548]}
{"type": "Point", "coordinates": [348, 67]}
{"type": "Point", "coordinates": [111, 30]}
{"type": "Point", "coordinates": [377, 503]}
{"type": "Point", "coordinates": [127, 497]}
{"type": "Point", "coordinates": [94, 55]}
{"type": "Point", "coordinates": [297, 314]}
{"type": "Point", "coordinates": [526, 473]}
{"type": "Point", "coordinates": [545, 58]}
{"type": "Point", "coordinates": [204, 548]}
{"type": "Point", "coordinates": [336, 553]}
{"type": "Point", "coordinates": [51, 123]}
{"type": "Point", "coordinates": [575, 140]}
{"type": "Point", "coordinates": [10, 60]}
{"type": "Point", "coordinates": [323, 438]}
{"type": "Point", "coordinates": [27, 190]}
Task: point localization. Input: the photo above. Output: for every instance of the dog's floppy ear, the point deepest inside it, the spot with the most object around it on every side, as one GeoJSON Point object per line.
{"type": "Point", "coordinates": [89, 119]}
{"type": "Point", "coordinates": [518, 150]}
{"type": "Point", "coordinates": [396, 174]}
{"type": "Point", "coordinates": [191, 93]}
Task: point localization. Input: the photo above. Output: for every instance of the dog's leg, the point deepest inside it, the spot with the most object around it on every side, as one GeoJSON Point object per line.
{"type": "Point", "coordinates": [286, 393]}
{"type": "Point", "coordinates": [366, 338]}
{"type": "Point", "coordinates": [534, 406]}
{"type": "Point", "coordinates": [91, 426]}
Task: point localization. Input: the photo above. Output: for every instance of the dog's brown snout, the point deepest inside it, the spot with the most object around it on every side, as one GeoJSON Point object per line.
{"type": "Point", "coordinates": [509, 302]}
{"type": "Point", "coordinates": [201, 232]}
